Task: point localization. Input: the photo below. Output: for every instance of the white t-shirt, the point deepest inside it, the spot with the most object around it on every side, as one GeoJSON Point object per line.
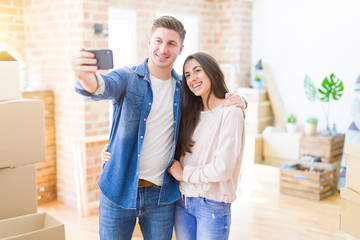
{"type": "Point", "coordinates": [159, 134]}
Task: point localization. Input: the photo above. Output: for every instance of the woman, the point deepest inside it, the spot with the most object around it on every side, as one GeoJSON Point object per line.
{"type": "Point", "coordinates": [210, 149]}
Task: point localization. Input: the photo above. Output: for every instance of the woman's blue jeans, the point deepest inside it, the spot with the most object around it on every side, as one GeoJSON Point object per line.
{"type": "Point", "coordinates": [202, 219]}
{"type": "Point", "coordinates": [156, 221]}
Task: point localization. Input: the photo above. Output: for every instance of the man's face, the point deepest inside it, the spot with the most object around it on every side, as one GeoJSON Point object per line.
{"type": "Point", "coordinates": [164, 47]}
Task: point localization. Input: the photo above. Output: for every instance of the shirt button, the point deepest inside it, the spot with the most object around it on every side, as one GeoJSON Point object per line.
{"type": "Point", "coordinates": [144, 119]}
{"type": "Point", "coordinates": [138, 155]}
{"type": "Point", "coordinates": [175, 104]}
{"type": "Point", "coordinates": [149, 103]}
{"type": "Point", "coordinates": [177, 89]}
{"type": "Point", "coordinates": [141, 137]}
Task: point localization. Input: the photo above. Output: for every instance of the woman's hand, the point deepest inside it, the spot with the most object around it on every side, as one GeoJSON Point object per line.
{"type": "Point", "coordinates": [176, 170]}
{"type": "Point", "coordinates": [105, 155]}
{"type": "Point", "coordinates": [235, 100]}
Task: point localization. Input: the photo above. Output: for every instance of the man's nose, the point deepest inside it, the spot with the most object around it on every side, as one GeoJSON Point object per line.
{"type": "Point", "coordinates": [163, 48]}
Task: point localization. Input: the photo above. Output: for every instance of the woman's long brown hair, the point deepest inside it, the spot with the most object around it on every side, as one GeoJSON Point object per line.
{"type": "Point", "coordinates": [192, 105]}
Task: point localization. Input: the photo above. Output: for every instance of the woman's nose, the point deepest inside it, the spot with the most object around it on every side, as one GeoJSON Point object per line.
{"type": "Point", "coordinates": [192, 77]}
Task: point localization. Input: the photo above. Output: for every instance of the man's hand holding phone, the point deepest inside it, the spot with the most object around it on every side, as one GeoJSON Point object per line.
{"type": "Point", "coordinates": [88, 62]}
{"type": "Point", "coordinates": [85, 64]}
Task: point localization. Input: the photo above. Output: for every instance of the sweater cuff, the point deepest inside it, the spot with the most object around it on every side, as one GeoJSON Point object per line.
{"type": "Point", "coordinates": [101, 85]}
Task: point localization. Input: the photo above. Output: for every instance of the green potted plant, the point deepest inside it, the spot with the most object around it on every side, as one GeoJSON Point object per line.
{"type": "Point", "coordinates": [310, 126]}
{"type": "Point", "coordinates": [331, 88]}
{"type": "Point", "coordinates": [291, 126]}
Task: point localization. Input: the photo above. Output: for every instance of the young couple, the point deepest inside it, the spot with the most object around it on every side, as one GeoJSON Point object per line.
{"type": "Point", "coordinates": [141, 178]}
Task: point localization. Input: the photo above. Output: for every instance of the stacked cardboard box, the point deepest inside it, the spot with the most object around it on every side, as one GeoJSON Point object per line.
{"type": "Point", "coordinates": [22, 144]}
{"type": "Point", "coordinates": [46, 171]}
{"type": "Point", "coordinates": [350, 195]}
{"type": "Point", "coordinates": [259, 112]}
{"type": "Point", "coordinates": [258, 116]}
{"type": "Point", "coordinates": [280, 147]}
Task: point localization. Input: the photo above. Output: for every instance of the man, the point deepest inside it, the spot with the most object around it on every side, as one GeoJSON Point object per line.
{"type": "Point", "coordinates": [147, 106]}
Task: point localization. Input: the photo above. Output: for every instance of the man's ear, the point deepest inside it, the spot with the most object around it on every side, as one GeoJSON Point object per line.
{"type": "Point", "coordinates": [181, 48]}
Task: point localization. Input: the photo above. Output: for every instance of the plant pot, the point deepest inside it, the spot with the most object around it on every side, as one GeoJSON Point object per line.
{"type": "Point", "coordinates": [258, 85]}
{"type": "Point", "coordinates": [291, 127]}
{"type": "Point", "coordinates": [310, 129]}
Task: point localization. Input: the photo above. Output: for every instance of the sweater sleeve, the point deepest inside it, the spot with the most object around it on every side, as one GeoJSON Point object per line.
{"type": "Point", "coordinates": [226, 155]}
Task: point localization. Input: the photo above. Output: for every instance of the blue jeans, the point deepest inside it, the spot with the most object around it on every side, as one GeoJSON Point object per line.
{"type": "Point", "coordinates": [202, 219]}
{"type": "Point", "coordinates": [156, 221]}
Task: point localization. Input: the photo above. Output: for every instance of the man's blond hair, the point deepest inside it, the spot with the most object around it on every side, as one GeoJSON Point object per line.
{"type": "Point", "coordinates": [170, 22]}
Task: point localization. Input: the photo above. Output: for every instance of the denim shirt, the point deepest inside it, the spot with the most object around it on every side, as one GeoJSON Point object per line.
{"type": "Point", "coordinates": [130, 91]}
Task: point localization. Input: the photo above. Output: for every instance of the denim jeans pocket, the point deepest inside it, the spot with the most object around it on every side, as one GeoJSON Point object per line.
{"type": "Point", "coordinates": [214, 204]}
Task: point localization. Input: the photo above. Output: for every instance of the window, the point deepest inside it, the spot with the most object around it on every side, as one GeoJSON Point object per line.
{"type": "Point", "coordinates": [122, 37]}
{"type": "Point", "coordinates": [122, 41]}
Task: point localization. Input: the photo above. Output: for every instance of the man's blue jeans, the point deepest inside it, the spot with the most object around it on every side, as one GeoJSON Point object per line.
{"type": "Point", "coordinates": [202, 219]}
{"type": "Point", "coordinates": [156, 221]}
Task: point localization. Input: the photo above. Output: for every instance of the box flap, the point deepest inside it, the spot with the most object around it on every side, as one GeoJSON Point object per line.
{"type": "Point", "coordinates": [32, 226]}
{"type": "Point", "coordinates": [5, 56]}
{"type": "Point", "coordinates": [350, 195]}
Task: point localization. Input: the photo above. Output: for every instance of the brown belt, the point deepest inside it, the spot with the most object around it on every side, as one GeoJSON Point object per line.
{"type": "Point", "coordinates": [144, 183]}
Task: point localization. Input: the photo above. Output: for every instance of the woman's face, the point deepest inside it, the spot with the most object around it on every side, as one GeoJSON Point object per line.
{"type": "Point", "coordinates": [196, 79]}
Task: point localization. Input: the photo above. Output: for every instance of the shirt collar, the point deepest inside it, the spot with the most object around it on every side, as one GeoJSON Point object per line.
{"type": "Point", "coordinates": [143, 71]}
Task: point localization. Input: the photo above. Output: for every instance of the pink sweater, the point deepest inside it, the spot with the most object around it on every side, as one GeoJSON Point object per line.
{"type": "Point", "coordinates": [212, 169]}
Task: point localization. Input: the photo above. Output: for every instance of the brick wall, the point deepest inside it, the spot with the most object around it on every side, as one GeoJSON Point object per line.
{"type": "Point", "coordinates": [12, 26]}
{"type": "Point", "coordinates": [224, 29]}
{"type": "Point", "coordinates": [233, 37]}
{"type": "Point", "coordinates": [47, 33]}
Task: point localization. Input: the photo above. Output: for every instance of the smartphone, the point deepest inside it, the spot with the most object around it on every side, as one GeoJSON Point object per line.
{"type": "Point", "coordinates": [104, 58]}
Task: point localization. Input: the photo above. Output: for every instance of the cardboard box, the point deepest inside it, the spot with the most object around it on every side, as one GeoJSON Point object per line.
{"type": "Point", "coordinates": [352, 179]}
{"type": "Point", "coordinates": [257, 126]}
{"type": "Point", "coordinates": [259, 110]}
{"type": "Point", "coordinates": [253, 149]}
{"type": "Point", "coordinates": [18, 191]}
{"type": "Point", "coordinates": [277, 162]}
{"type": "Point", "coordinates": [353, 149]}
{"type": "Point", "coordinates": [253, 94]}
{"type": "Point", "coordinates": [38, 226]}
{"type": "Point", "coordinates": [10, 77]}
{"type": "Point", "coordinates": [308, 180]}
{"type": "Point", "coordinates": [350, 212]}
{"type": "Point", "coordinates": [22, 128]}
{"type": "Point", "coordinates": [281, 145]}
